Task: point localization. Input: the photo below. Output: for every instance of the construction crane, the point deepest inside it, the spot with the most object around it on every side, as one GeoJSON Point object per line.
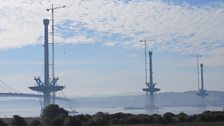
{"type": "Point", "coordinates": [145, 60]}
{"type": "Point", "coordinates": [52, 37]}
{"type": "Point", "coordinates": [150, 85]}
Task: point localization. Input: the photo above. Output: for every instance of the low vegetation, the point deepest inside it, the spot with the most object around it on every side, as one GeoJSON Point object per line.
{"type": "Point", "coordinates": [53, 115]}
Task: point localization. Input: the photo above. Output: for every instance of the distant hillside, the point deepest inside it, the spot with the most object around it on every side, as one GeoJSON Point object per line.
{"type": "Point", "coordinates": [169, 99]}
{"type": "Point", "coordinates": [189, 98]}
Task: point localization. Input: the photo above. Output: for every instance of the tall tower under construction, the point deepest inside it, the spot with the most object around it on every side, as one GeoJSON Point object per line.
{"type": "Point", "coordinates": [201, 91]}
{"type": "Point", "coordinates": [150, 86]}
{"type": "Point", "coordinates": [49, 85]}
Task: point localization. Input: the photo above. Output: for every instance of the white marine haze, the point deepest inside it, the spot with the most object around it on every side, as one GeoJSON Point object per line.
{"type": "Point", "coordinates": [114, 28]}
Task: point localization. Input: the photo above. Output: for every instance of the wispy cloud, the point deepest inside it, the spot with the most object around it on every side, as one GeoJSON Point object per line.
{"type": "Point", "coordinates": [181, 27]}
{"type": "Point", "coordinates": [109, 44]}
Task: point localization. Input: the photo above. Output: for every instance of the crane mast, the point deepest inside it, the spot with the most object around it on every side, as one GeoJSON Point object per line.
{"type": "Point", "coordinates": [52, 41]}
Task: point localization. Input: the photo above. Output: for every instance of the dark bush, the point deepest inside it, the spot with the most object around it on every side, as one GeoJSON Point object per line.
{"type": "Point", "coordinates": [72, 121]}
{"type": "Point", "coordinates": [182, 117]}
{"type": "Point", "coordinates": [118, 121]}
{"type": "Point", "coordinates": [92, 123]}
{"type": "Point", "coordinates": [209, 116]}
{"type": "Point", "coordinates": [57, 122]}
{"type": "Point", "coordinates": [133, 120]}
{"type": "Point", "coordinates": [52, 112]}
{"type": "Point", "coordinates": [119, 118]}
{"type": "Point", "coordinates": [219, 116]}
{"type": "Point", "coordinates": [120, 115]}
{"type": "Point", "coordinates": [168, 117]}
{"type": "Point", "coordinates": [102, 119]}
{"type": "Point", "coordinates": [18, 121]}
{"type": "Point", "coordinates": [2, 123]}
{"type": "Point", "coordinates": [205, 117]}
{"type": "Point", "coordinates": [83, 118]}
{"type": "Point", "coordinates": [157, 118]}
{"type": "Point", "coordinates": [192, 118]}
{"type": "Point", "coordinates": [35, 123]}
{"type": "Point", "coordinates": [114, 121]}
{"type": "Point", "coordinates": [146, 119]}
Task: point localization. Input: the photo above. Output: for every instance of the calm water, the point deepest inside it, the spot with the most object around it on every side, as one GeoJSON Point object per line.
{"type": "Point", "coordinates": [32, 108]}
{"type": "Point", "coordinates": [176, 110]}
{"type": "Point", "coordinates": [34, 111]}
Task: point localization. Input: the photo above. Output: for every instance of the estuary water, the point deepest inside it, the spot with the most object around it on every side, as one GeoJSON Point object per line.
{"type": "Point", "coordinates": [162, 110]}
{"type": "Point", "coordinates": [35, 110]}
{"type": "Point", "coordinates": [186, 102]}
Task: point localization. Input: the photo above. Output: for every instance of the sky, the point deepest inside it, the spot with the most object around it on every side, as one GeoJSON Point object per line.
{"type": "Point", "coordinates": [97, 44]}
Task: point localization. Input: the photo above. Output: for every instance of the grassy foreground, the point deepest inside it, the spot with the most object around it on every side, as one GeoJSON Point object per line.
{"type": "Point", "coordinates": [181, 124]}
{"type": "Point", "coordinates": [30, 120]}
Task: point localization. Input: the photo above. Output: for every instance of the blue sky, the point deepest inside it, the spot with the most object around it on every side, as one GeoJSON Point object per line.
{"type": "Point", "coordinates": [194, 2]}
{"type": "Point", "coordinates": [98, 50]}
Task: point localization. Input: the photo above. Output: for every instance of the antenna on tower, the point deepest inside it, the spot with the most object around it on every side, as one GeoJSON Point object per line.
{"type": "Point", "coordinates": [145, 46]}
{"type": "Point", "coordinates": [198, 73]}
{"type": "Point", "coordinates": [52, 40]}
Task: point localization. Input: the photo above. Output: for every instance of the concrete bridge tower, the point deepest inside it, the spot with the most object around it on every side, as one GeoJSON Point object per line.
{"type": "Point", "coordinates": [150, 86]}
{"type": "Point", "coordinates": [202, 92]}
{"type": "Point", "coordinates": [49, 85]}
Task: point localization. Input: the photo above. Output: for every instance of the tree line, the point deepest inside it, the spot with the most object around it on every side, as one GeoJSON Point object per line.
{"type": "Point", "coordinates": [53, 115]}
